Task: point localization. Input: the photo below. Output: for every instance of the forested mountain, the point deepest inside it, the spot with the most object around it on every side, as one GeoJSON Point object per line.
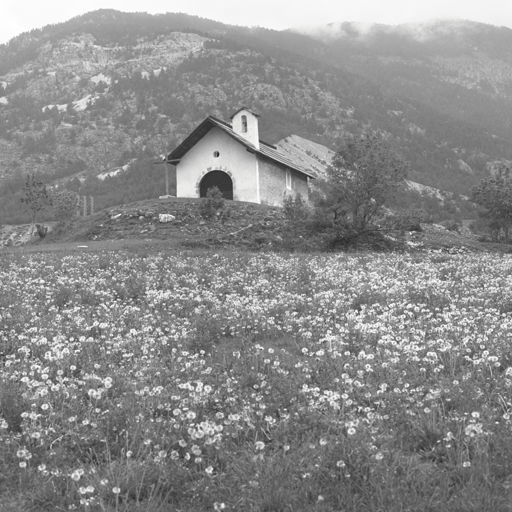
{"type": "Point", "coordinates": [113, 91]}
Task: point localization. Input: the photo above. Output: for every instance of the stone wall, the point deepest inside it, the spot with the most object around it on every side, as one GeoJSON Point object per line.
{"type": "Point", "coordinates": [273, 183]}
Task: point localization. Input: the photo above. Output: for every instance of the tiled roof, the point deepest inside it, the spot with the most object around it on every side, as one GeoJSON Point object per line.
{"type": "Point", "coordinates": [266, 150]}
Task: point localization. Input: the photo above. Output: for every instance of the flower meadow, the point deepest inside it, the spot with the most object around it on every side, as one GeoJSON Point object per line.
{"type": "Point", "coordinates": [255, 382]}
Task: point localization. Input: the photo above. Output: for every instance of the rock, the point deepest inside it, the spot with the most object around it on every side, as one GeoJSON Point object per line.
{"type": "Point", "coordinates": [166, 217]}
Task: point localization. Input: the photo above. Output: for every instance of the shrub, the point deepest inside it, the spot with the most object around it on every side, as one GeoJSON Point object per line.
{"type": "Point", "coordinates": [296, 209]}
{"type": "Point", "coordinates": [42, 231]}
{"type": "Point", "coordinates": [408, 220]}
{"type": "Point", "coordinates": [66, 205]}
{"type": "Point", "coordinates": [451, 225]}
{"type": "Point", "coordinates": [213, 206]}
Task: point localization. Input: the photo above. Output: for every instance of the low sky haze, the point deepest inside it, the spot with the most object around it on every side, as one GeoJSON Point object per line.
{"type": "Point", "coordinates": [24, 15]}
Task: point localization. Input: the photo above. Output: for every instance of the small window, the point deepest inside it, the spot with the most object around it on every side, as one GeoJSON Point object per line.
{"type": "Point", "coordinates": [216, 154]}
{"type": "Point", "coordinates": [244, 124]}
{"type": "Point", "coordinates": [289, 180]}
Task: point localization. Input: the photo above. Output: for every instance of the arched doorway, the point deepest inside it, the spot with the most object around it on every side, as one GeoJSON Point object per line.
{"type": "Point", "coordinates": [218, 179]}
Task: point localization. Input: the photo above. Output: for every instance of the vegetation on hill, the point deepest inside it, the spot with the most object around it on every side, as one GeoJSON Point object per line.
{"type": "Point", "coordinates": [494, 196]}
{"type": "Point", "coordinates": [91, 95]}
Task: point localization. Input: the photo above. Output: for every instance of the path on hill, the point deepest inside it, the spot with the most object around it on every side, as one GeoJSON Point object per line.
{"type": "Point", "coordinates": [93, 246]}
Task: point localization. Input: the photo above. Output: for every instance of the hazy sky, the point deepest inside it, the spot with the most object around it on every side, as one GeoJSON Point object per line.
{"type": "Point", "coordinates": [17, 16]}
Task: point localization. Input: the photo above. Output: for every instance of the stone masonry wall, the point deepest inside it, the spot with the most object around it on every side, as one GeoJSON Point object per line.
{"type": "Point", "coordinates": [273, 183]}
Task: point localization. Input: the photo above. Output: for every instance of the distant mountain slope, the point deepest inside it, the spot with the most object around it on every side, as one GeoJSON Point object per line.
{"type": "Point", "coordinates": [304, 152]}
{"type": "Point", "coordinates": [109, 89]}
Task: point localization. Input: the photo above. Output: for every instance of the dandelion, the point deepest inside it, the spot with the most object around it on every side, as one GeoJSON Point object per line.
{"type": "Point", "coordinates": [116, 490]}
{"type": "Point", "coordinates": [474, 429]}
{"type": "Point", "coordinates": [351, 431]}
{"type": "Point", "coordinates": [209, 470]}
{"type": "Point", "coordinates": [23, 464]}
{"type": "Point", "coordinates": [259, 445]}
{"type": "Point", "coordinates": [466, 464]}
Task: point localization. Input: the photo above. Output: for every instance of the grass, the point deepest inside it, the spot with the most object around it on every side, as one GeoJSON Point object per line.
{"type": "Point", "coordinates": [161, 381]}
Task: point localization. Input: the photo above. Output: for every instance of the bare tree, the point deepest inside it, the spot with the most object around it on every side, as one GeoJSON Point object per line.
{"type": "Point", "coordinates": [36, 196]}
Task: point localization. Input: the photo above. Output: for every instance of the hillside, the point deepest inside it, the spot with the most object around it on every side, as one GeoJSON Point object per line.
{"type": "Point", "coordinates": [110, 91]}
{"type": "Point", "coordinates": [248, 226]}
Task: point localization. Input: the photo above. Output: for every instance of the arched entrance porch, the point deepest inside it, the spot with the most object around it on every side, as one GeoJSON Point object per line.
{"type": "Point", "coordinates": [218, 179]}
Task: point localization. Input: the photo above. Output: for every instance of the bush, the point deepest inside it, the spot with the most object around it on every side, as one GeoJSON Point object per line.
{"type": "Point", "coordinates": [409, 220]}
{"type": "Point", "coordinates": [451, 225]}
{"type": "Point", "coordinates": [213, 206]}
{"type": "Point", "coordinates": [296, 209]}
{"type": "Point", "coordinates": [66, 205]}
{"type": "Point", "coordinates": [42, 231]}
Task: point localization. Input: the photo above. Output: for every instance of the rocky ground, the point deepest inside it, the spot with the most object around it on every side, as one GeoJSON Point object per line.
{"type": "Point", "coordinates": [179, 223]}
{"type": "Point", "coordinates": [22, 234]}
